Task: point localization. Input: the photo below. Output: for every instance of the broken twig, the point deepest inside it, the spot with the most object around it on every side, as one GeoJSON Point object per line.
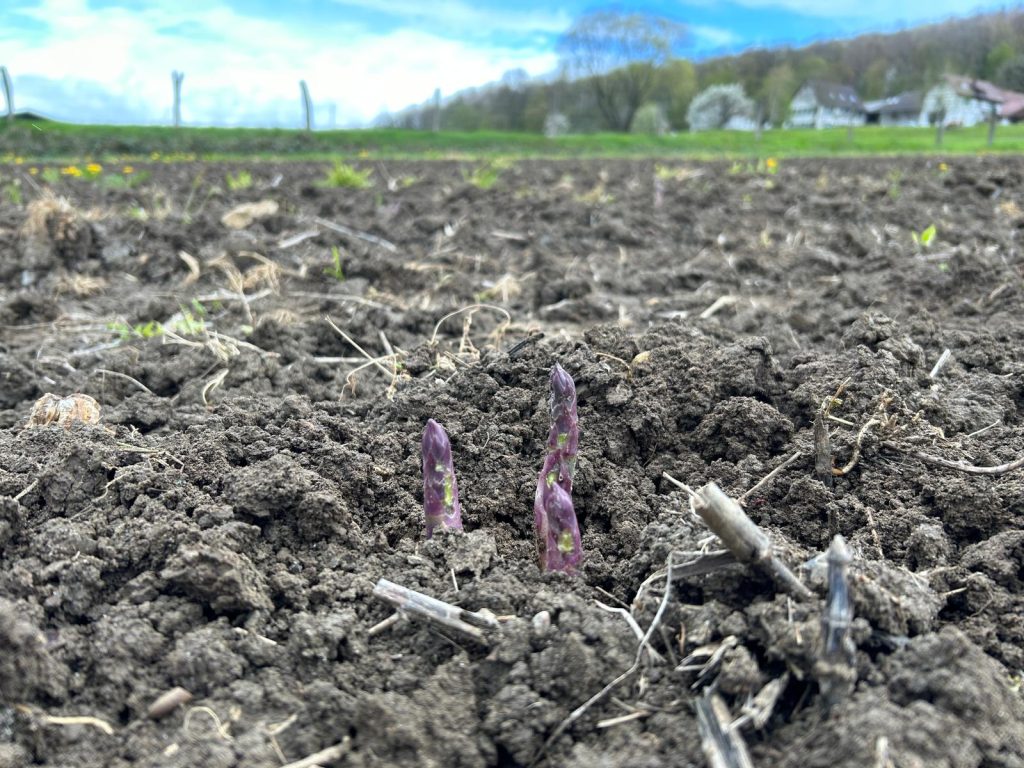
{"type": "Point", "coordinates": [963, 466]}
{"type": "Point", "coordinates": [323, 757]}
{"type": "Point", "coordinates": [744, 539]}
{"type": "Point", "coordinates": [822, 450]}
{"type": "Point", "coordinates": [341, 229]}
{"type": "Point", "coordinates": [769, 477]}
{"type": "Point", "coordinates": [835, 666]}
{"type": "Point", "coordinates": [723, 745]}
{"type": "Point", "coordinates": [940, 364]}
{"type": "Point", "coordinates": [421, 606]}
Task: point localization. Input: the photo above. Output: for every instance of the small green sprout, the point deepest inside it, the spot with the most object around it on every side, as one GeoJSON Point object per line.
{"type": "Point", "coordinates": [486, 175]}
{"type": "Point", "coordinates": [124, 331]}
{"type": "Point", "coordinates": [238, 181]}
{"type": "Point", "coordinates": [347, 177]}
{"type": "Point", "coordinates": [335, 270]}
{"type": "Point", "coordinates": [189, 323]}
{"type": "Point", "coordinates": [12, 191]}
{"type": "Point", "coordinates": [925, 237]}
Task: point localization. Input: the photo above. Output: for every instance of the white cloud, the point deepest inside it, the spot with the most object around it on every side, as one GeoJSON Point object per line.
{"type": "Point", "coordinates": [712, 37]}
{"type": "Point", "coordinates": [238, 69]}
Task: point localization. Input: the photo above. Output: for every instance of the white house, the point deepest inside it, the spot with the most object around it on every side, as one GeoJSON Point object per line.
{"type": "Point", "coordinates": [819, 104]}
{"type": "Point", "coordinates": [901, 109]}
{"type": "Point", "coordinates": [959, 100]}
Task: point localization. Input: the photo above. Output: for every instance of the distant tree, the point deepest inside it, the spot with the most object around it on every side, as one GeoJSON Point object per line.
{"type": "Point", "coordinates": [780, 83]}
{"type": "Point", "coordinates": [650, 120]}
{"type": "Point", "coordinates": [813, 67]}
{"type": "Point", "coordinates": [1011, 74]}
{"type": "Point", "coordinates": [461, 115]}
{"type": "Point", "coordinates": [718, 72]}
{"type": "Point", "coordinates": [508, 101]}
{"type": "Point", "coordinates": [713, 107]}
{"type": "Point", "coordinates": [675, 85]}
{"type": "Point", "coordinates": [874, 82]}
{"type": "Point", "coordinates": [997, 58]}
{"type": "Point", "coordinates": [619, 54]}
{"type": "Point", "coordinates": [537, 108]}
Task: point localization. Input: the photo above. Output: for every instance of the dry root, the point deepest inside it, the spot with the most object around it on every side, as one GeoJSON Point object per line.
{"type": "Point", "coordinates": [54, 232]}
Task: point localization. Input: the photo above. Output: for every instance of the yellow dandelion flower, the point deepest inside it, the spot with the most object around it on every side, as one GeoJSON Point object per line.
{"type": "Point", "coordinates": [771, 163]}
{"type": "Point", "coordinates": [127, 170]}
{"type": "Point", "coordinates": [943, 167]}
{"type": "Point", "coordinates": [71, 170]}
{"type": "Point", "coordinates": [94, 168]}
{"type": "Point", "coordinates": [33, 171]}
{"type": "Point", "coordinates": [19, 160]}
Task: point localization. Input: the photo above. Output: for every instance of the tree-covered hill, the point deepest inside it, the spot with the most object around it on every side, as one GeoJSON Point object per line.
{"type": "Point", "coordinates": [988, 46]}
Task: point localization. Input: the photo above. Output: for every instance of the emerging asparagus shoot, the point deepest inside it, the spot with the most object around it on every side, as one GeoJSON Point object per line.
{"type": "Point", "coordinates": [558, 534]}
{"type": "Point", "coordinates": [564, 437]}
{"type": "Point", "coordinates": [440, 491]}
{"type": "Point", "coordinates": [554, 518]}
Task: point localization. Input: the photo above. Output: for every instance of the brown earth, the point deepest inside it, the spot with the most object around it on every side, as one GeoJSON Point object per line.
{"type": "Point", "coordinates": [221, 529]}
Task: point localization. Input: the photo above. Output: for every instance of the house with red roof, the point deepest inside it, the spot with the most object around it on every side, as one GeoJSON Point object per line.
{"type": "Point", "coordinates": [965, 101]}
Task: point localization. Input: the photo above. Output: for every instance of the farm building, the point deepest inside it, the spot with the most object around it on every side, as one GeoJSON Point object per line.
{"type": "Point", "coordinates": [964, 101]}
{"type": "Point", "coordinates": [820, 104]}
{"type": "Point", "coordinates": [901, 109]}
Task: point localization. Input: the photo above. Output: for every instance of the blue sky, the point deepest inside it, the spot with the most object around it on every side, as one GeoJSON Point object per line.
{"type": "Point", "coordinates": [110, 60]}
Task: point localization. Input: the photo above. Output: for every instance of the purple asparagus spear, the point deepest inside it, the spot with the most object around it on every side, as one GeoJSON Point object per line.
{"type": "Point", "coordinates": [558, 534]}
{"type": "Point", "coordinates": [564, 437]}
{"type": "Point", "coordinates": [440, 491]}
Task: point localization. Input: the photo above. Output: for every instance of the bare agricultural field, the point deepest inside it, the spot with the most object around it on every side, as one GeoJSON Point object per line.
{"type": "Point", "coordinates": [265, 351]}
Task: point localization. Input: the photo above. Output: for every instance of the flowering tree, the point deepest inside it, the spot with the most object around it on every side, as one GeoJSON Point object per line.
{"type": "Point", "coordinates": [713, 107]}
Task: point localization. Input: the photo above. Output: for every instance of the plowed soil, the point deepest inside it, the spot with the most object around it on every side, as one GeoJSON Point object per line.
{"type": "Point", "coordinates": [251, 477]}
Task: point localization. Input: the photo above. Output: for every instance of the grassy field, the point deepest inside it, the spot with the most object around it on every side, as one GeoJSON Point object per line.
{"type": "Point", "coordinates": [55, 141]}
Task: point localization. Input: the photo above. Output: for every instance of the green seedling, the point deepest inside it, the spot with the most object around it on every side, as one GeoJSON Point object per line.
{"type": "Point", "coordinates": [895, 177]}
{"type": "Point", "coordinates": [346, 177]}
{"type": "Point", "coordinates": [238, 181]}
{"type": "Point", "coordinates": [925, 237]}
{"type": "Point", "coordinates": [335, 270]}
{"type": "Point", "coordinates": [486, 175]}
{"type": "Point", "coordinates": [12, 192]}
{"type": "Point", "coordinates": [189, 322]}
{"type": "Point", "coordinates": [125, 181]}
{"type": "Point", "coordinates": [50, 175]}
{"type": "Point", "coordinates": [124, 331]}
{"type": "Point", "coordinates": [663, 172]}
